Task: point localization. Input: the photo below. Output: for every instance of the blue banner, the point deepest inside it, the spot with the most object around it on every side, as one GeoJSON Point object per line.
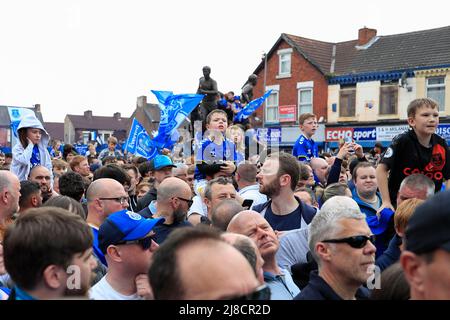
{"type": "Point", "coordinates": [81, 149]}
{"type": "Point", "coordinates": [365, 134]}
{"type": "Point", "coordinates": [174, 110]}
{"type": "Point", "coordinates": [16, 114]}
{"type": "Point", "coordinates": [139, 142]}
{"type": "Point", "coordinates": [251, 107]}
{"type": "Point", "coordinates": [269, 136]}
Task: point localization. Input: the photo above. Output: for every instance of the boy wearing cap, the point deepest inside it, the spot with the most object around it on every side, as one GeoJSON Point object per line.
{"type": "Point", "coordinates": [426, 258]}
{"type": "Point", "coordinates": [126, 239]}
{"type": "Point", "coordinates": [418, 150]}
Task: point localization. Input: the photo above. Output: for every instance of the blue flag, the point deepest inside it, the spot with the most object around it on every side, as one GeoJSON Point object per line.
{"type": "Point", "coordinates": [139, 142]}
{"type": "Point", "coordinates": [251, 107]}
{"type": "Point", "coordinates": [174, 110]}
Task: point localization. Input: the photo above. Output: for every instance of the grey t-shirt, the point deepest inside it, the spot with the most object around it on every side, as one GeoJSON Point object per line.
{"type": "Point", "coordinates": [293, 248]}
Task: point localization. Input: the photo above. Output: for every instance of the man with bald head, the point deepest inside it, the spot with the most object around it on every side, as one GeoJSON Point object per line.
{"type": "Point", "coordinates": [320, 168]}
{"type": "Point", "coordinates": [179, 270]}
{"type": "Point", "coordinates": [252, 224]}
{"type": "Point", "coordinates": [9, 199]}
{"type": "Point", "coordinates": [222, 214]}
{"type": "Point", "coordinates": [104, 196]}
{"type": "Point", "coordinates": [43, 176]}
{"type": "Point", "coordinates": [173, 201]}
{"type": "Point", "coordinates": [248, 248]}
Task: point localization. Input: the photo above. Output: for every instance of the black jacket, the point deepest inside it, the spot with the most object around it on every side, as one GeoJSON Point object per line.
{"type": "Point", "coordinates": [307, 212]}
{"type": "Point", "coordinates": [145, 200]}
{"type": "Point", "coordinates": [318, 289]}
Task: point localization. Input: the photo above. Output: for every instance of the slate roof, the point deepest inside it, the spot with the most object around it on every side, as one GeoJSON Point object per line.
{"type": "Point", "coordinates": [406, 51]}
{"type": "Point", "coordinates": [99, 122]}
{"type": "Point", "coordinates": [413, 50]}
{"type": "Point", "coordinates": [55, 130]}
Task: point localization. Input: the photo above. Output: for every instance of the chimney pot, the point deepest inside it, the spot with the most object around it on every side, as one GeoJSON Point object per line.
{"type": "Point", "coordinates": [365, 35]}
{"type": "Point", "coordinates": [88, 114]}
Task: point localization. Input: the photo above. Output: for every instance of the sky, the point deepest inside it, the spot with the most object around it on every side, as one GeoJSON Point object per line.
{"type": "Point", "coordinates": [74, 55]}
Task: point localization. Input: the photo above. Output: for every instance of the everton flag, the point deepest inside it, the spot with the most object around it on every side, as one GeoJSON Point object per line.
{"type": "Point", "coordinates": [139, 142]}
{"type": "Point", "coordinates": [174, 110]}
{"type": "Point", "coordinates": [251, 107]}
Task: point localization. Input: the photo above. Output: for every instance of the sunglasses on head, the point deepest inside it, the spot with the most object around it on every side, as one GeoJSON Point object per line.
{"type": "Point", "coordinates": [355, 241]}
{"type": "Point", "coordinates": [260, 293]}
{"type": "Point", "coordinates": [145, 243]}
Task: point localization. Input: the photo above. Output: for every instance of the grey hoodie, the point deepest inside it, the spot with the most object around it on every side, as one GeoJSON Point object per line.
{"type": "Point", "coordinates": [21, 164]}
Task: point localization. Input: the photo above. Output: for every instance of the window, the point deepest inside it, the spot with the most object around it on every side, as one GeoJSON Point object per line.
{"type": "Point", "coordinates": [284, 69]}
{"type": "Point", "coordinates": [104, 135]}
{"type": "Point", "coordinates": [436, 91]}
{"type": "Point", "coordinates": [388, 99]}
{"type": "Point", "coordinates": [272, 107]}
{"type": "Point", "coordinates": [347, 101]}
{"type": "Point", "coordinates": [86, 137]}
{"type": "Point", "coordinates": [285, 63]}
{"type": "Point", "coordinates": [305, 97]}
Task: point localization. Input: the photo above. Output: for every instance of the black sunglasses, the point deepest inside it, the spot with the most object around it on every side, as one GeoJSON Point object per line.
{"type": "Point", "coordinates": [145, 243]}
{"type": "Point", "coordinates": [355, 241]}
{"type": "Point", "coordinates": [189, 201]}
{"type": "Point", "coordinates": [260, 293]}
{"type": "Point", "coordinates": [121, 200]}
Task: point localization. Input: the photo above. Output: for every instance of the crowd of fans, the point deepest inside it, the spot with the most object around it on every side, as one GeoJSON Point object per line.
{"type": "Point", "coordinates": [225, 223]}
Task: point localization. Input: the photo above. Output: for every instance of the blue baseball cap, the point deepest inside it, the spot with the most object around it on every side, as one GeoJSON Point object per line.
{"type": "Point", "coordinates": [161, 161]}
{"type": "Point", "coordinates": [124, 225]}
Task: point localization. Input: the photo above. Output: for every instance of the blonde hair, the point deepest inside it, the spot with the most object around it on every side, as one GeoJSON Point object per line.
{"type": "Point", "coordinates": [404, 212]}
{"type": "Point", "coordinates": [241, 145]}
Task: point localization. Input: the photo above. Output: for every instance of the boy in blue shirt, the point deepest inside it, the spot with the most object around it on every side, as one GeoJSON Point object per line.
{"type": "Point", "coordinates": [216, 153]}
{"type": "Point", "coordinates": [305, 148]}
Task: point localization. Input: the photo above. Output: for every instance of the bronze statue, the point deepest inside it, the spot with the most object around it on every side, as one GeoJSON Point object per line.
{"type": "Point", "coordinates": [207, 86]}
{"type": "Point", "coordinates": [247, 91]}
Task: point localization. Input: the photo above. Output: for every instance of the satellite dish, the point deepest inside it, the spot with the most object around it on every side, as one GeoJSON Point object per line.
{"type": "Point", "coordinates": [320, 120]}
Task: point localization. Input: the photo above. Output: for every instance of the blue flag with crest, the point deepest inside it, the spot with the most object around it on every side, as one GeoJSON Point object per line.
{"type": "Point", "coordinates": [174, 110]}
{"type": "Point", "coordinates": [139, 142]}
{"type": "Point", "coordinates": [251, 107]}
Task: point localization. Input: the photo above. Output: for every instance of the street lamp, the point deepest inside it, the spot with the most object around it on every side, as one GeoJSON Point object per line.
{"type": "Point", "coordinates": [264, 57]}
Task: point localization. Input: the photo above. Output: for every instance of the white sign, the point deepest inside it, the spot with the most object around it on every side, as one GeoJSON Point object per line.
{"type": "Point", "coordinates": [388, 133]}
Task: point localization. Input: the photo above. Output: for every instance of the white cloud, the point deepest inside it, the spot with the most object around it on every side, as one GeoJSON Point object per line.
{"type": "Point", "coordinates": [71, 56]}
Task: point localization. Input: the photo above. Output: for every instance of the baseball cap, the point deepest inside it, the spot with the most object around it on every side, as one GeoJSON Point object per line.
{"type": "Point", "coordinates": [428, 228]}
{"type": "Point", "coordinates": [124, 225]}
{"type": "Point", "coordinates": [161, 161]}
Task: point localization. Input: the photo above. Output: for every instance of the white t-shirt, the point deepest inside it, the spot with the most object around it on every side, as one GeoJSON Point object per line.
{"type": "Point", "coordinates": [252, 192]}
{"type": "Point", "coordinates": [198, 206]}
{"type": "Point", "coordinates": [102, 290]}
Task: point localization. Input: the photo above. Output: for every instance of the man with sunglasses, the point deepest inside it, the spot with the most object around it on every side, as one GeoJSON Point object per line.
{"type": "Point", "coordinates": [104, 196]}
{"type": "Point", "coordinates": [127, 240]}
{"type": "Point", "coordinates": [173, 202]}
{"type": "Point", "coordinates": [343, 246]}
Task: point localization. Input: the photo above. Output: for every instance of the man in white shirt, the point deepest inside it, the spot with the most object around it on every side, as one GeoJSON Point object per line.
{"type": "Point", "coordinates": [248, 186]}
{"type": "Point", "coordinates": [126, 239]}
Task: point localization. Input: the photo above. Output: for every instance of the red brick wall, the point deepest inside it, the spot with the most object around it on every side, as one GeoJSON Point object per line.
{"type": "Point", "coordinates": [301, 70]}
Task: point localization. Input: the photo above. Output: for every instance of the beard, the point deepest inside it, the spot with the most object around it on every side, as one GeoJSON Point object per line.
{"type": "Point", "coordinates": [179, 216]}
{"type": "Point", "coordinates": [272, 189]}
{"type": "Point", "coordinates": [79, 292]}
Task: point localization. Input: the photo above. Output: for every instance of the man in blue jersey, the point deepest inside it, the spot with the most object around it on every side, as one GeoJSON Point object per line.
{"type": "Point", "coordinates": [305, 148]}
